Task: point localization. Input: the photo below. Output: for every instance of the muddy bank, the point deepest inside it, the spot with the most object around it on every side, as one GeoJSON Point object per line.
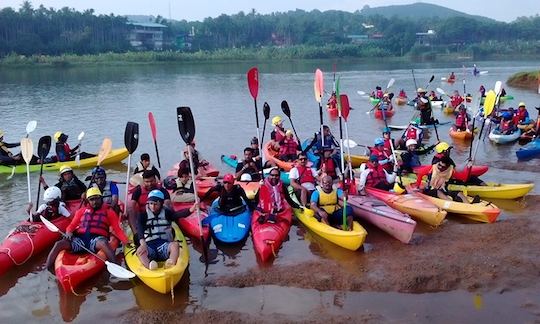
{"type": "Point", "coordinates": [526, 80]}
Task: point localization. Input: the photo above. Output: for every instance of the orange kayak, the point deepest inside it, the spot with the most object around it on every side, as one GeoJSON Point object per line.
{"type": "Point", "coordinates": [272, 156]}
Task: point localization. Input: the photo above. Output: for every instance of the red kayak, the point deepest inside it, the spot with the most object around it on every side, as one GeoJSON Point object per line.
{"type": "Point", "coordinates": [73, 269]}
{"type": "Point", "coordinates": [388, 113]}
{"type": "Point", "coordinates": [267, 237]}
{"type": "Point", "coordinates": [28, 239]}
{"type": "Point", "coordinates": [190, 225]}
{"type": "Point", "coordinates": [203, 185]}
{"type": "Point", "coordinates": [461, 175]}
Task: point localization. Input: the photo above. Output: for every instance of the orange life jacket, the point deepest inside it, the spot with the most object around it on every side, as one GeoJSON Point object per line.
{"type": "Point", "coordinates": [95, 221]}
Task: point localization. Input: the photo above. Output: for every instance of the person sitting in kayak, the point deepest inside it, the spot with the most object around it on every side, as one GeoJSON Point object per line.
{"type": "Point", "coordinates": [412, 132]}
{"type": "Point", "coordinates": [433, 96]}
{"type": "Point", "coordinates": [272, 198]}
{"type": "Point", "coordinates": [476, 72]}
{"type": "Point", "coordinates": [288, 147]}
{"type": "Point", "coordinates": [328, 164]}
{"type": "Point", "coordinates": [52, 208]}
{"type": "Point", "coordinates": [145, 164]}
{"type": "Point", "coordinates": [424, 106]}
{"type": "Point", "coordinates": [63, 151]}
{"type": "Point", "coordinates": [156, 238]}
{"type": "Point", "coordinates": [90, 228]}
{"type": "Point", "coordinates": [522, 115]}
{"type": "Point", "coordinates": [384, 155]}
{"type": "Point", "coordinates": [385, 103]}
{"type": "Point", "coordinates": [181, 186]}
{"type": "Point", "coordinates": [232, 197]}
{"type": "Point", "coordinates": [327, 203]}
{"type": "Point", "coordinates": [303, 179]}
{"type": "Point", "coordinates": [248, 166]}
{"type": "Point", "coordinates": [438, 179]}
{"type": "Point", "coordinates": [451, 78]}
{"type": "Point", "coordinates": [332, 101]}
{"type": "Point", "coordinates": [278, 133]}
{"type": "Point", "coordinates": [6, 157]}
{"type": "Point", "coordinates": [197, 162]}
{"type": "Point", "coordinates": [506, 124]}
{"type": "Point", "coordinates": [137, 204]}
{"type": "Point", "coordinates": [378, 93]}
{"type": "Point", "coordinates": [409, 158]}
{"type": "Point", "coordinates": [482, 90]}
{"type": "Point", "coordinates": [329, 140]}
{"type": "Point", "coordinates": [72, 188]}
{"type": "Point", "coordinates": [456, 99]}
{"type": "Point", "coordinates": [373, 175]}
{"type": "Point", "coordinates": [109, 189]}
{"type": "Point", "coordinates": [442, 151]}
{"type": "Point", "coordinates": [402, 94]}
{"type": "Point", "coordinates": [388, 140]}
{"type": "Point", "coordinates": [462, 119]}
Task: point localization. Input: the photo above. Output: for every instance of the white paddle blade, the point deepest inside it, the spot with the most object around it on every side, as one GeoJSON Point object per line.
{"type": "Point", "coordinates": [81, 136]}
{"type": "Point", "coordinates": [349, 143]}
{"type": "Point", "coordinates": [361, 93]}
{"type": "Point", "coordinates": [424, 100]}
{"type": "Point", "coordinates": [390, 83]}
{"type": "Point", "coordinates": [50, 226]}
{"type": "Point", "coordinates": [119, 271]}
{"type": "Point", "coordinates": [78, 159]}
{"type": "Point", "coordinates": [441, 91]}
{"type": "Point", "coordinates": [31, 126]}
{"type": "Point", "coordinates": [498, 87]}
{"type": "Point", "coordinates": [27, 149]}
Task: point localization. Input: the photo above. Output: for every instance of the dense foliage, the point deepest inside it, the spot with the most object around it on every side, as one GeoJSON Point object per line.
{"type": "Point", "coordinates": [314, 34]}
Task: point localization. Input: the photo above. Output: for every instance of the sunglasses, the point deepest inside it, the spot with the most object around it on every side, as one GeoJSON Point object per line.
{"type": "Point", "coordinates": [442, 166]}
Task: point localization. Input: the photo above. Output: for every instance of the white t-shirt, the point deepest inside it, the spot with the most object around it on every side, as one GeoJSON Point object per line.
{"type": "Point", "coordinates": [62, 210]}
{"type": "Point", "coordinates": [295, 175]}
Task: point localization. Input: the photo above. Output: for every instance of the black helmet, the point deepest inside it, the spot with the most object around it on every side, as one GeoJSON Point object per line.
{"type": "Point", "coordinates": [169, 183]}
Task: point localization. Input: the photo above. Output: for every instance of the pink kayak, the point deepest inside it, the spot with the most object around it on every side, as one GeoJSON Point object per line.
{"type": "Point", "coordinates": [399, 225]}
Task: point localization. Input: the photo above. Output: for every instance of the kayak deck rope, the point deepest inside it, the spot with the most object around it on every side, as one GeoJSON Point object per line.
{"type": "Point", "coordinates": [8, 252]}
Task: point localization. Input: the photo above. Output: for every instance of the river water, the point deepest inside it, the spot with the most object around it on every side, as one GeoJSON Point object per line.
{"type": "Point", "coordinates": [100, 100]}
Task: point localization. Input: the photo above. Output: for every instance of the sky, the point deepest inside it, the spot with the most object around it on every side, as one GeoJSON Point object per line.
{"type": "Point", "coordinates": [502, 10]}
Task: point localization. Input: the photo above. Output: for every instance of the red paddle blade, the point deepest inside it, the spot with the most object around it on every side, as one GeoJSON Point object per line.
{"type": "Point", "coordinates": [152, 122]}
{"type": "Point", "coordinates": [345, 108]}
{"type": "Point", "coordinates": [253, 82]}
{"type": "Point", "coordinates": [319, 84]}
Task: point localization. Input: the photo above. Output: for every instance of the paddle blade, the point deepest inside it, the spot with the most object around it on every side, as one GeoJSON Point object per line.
{"type": "Point", "coordinates": [31, 126]}
{"type": "Point", "coordinates": [118, 271]}
{"type": "Point", "coordinates": [152, 122]}
{"type": "Point", "coordinates": [345, 108]}
{"type": "Point", "coordinates": [44, 146]}
{"type": "Point", "coordinates": [50, 226]}
{"type": "Point", "coordinates": [105, 149]}
{"type": "Point", "coordinates": [349, 143]}
{"type": "Point", "coordinates": [186, 124]}
{"type": "Point", "coordinates": [81, 136]}
{"type": "Point", "coordinates": [391, 82]}
{"type": "Point", "coordinates": [319, 85]}
{"type": "Point", "coordinates": [253, 82]}
{"type": "Point", "coordinates": [498, 88]}
{"type": "Point", "coordinates": [489, 102]}
{"type": "Point", "coordinates": [441, 91]}
{"type": "Point", "coordinates": [266, 111]}
{"type": "Point", "coordinates": [27, 147]}
{"type": "Point", "coordinates": [285, 108]}
{"type": "Point", "coordinates": [131, 136]}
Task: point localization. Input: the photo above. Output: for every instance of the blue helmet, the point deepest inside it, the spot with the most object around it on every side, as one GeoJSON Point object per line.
{"type": "Point", "coordinates": [507, 115]}
{"type": "Point", "coordinates": [386, 130]}
{"type": "Point", "coordinates": [379, 141]}
{"type": "Point", "coordinates": [99, 172]}
{"type": "Point", "coordinates": [156, 195]}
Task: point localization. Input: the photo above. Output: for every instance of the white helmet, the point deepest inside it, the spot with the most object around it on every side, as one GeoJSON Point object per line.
{"type": "Point", "coordinates": [246, 177]}
{"type": "Point", "coordinates": [411, 142]}
{"type": "Point", "coordinates": [51, 194]}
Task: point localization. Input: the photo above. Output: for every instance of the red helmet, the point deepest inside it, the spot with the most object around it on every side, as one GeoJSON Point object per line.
{"type": "Point", "coordinates": [228, 178]}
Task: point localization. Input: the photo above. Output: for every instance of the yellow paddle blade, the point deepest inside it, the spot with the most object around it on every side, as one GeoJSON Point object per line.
{"type": "Point", "coordinates": [27, 149]}
{"type": "Point", "coordinates": [105, 149]}
{"type": "Point", "coordinates": [489, 103]}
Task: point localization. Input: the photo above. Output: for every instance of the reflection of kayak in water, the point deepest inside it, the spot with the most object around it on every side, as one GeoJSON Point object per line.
{"type": "Point", "coordinates": [86, 161]}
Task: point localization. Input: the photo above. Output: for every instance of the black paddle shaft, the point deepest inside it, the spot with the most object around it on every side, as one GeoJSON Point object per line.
{"type": "Point", "coordinates": [44, 146]}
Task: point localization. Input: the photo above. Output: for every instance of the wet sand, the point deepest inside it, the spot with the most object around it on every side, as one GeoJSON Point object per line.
{"type": "Point", "coordinates": [500, 258]}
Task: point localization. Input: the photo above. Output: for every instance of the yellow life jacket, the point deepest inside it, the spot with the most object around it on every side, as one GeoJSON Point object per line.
{"type": "Point", "coordinates": [328, 201]}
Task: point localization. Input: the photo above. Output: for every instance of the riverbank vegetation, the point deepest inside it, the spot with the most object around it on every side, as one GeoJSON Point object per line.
{"type": "Point", "coordinates": [528, 80]}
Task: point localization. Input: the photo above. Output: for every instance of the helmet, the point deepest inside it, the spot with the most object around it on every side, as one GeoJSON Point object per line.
{"type": "Point", "coordinates": [254, 140]}
{"type": "Point", "coordinates": [169, 183]}
{"type": "Point", "coordinates": [420, 90]}
{"type": "Point", "coordinates": [507, 115]}
{"type": "Point", "coordinates": [156, 195]}
{"type": "Point", "coordinates": [51, 194]}
{"type": "Point", "coordinates": [385, 95]}
{"type": "Point", "coordinates": [65, 168]}
{"type": "Point", "coordinates": [228, 178]}
{"type": "Point", "coordinates": [57, 136]}
{"type": "Point", "coordinates": [94, 191]}
{"type": "Point", "coordinates": [398, 189]}
{"type": "Point", "coordinates": [521, 104]}
{"type": "Point", "coordinates": [246, 177]}
{"type": "Point", "coordinates": [386, 130]}
{"type": "Point", "coordinates": [415, 121]}
{"type": "Point", "coordinates": [441, 147]}
{"type": "Point", "coordinates": [276, 120]}
{"type": "Point", "coordinates": [411, 142]}
{"type": "Point", "coordinates": [99, 172]}
{"type": "Point", "coordinates": [379, 141]}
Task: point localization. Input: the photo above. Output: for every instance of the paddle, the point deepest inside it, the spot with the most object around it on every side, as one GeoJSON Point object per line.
{"type": "Point", "coordinates": [106, 147]}
{"type": "Point", "coordinates": [253, 85]}
{"type": "Point", "coordinates": [498, 90]}
{"type": "Point", "coordinates": [266, 113]}
{"type": "Point", "coordinates": [362, 94]}
{"type": "Point", "coordinates": [44, 146]}
{"type": "Point", "coordinates": [131, 141]}
{"type": "Point", "coordinates": [489, 104]}
{"type": "Point", "coordinates": [186, 128]}
{"type": "Point", "coordinates": [30, 127]}
{"type": "Point", "coordinates": [429, 82]}
{"type": "Point", "coordinates": [392, 146]}
{"type": "Point", "coordinates": [318, 85]}
{"type": "Point", "coordinates": [287, 111]}
{"type": "Point", "coordinates": [388, 86]}
{"type": "Point", "coordinates": [414, 79]}
{"type": "Point", "coordinates": [113, 268]}
{"type": "Point", "coordinates": [26, 150]}
{"type": "Point", "coordinates": [345, 109]}
{"type": "Point", "coordinates": [152, 122]}
{"type": "Point", "coordinates": [78, 157]}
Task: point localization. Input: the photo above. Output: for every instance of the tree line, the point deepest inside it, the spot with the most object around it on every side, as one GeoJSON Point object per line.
{"type": "Point", "coordinates": [30, 31]}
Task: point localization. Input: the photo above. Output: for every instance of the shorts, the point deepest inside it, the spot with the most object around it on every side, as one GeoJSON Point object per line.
{"type": "Point", "coordinates": [88, 241]}
{"type": "Point", "coordinates": [158, 250]}
{"type": "Point", "coordinates": [336, 218]}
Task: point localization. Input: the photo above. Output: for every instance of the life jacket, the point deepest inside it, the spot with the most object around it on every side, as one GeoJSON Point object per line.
{"type": "Point", "coordinates": [328, 201]}
{"type": "Point", "coordinates": [381, 154]}
{"type": "Point", "coordinates": [279, 134]}
{"type": "Point", "coordinates": [411, 133]}
{"type": "Point", "coordinates": [402, 94]}
{"type": "Point", "coordinates": [229, 200]}
{"type": "Point", "coordinates": [332, 103]}
{"type": "Point", "coordinates": [144, 197]}
{"type": "Point", "coordinates": [506, 125]}
{"type": "Point", "coordinates": [305, 174]}
{"type": "Point", "coordinates": [375, 176]}
{"type": "Point", "coordinates": [157, 226]}
{"type": "Point", "coordinates": [184, 188]}
{"type": "Point", "coordinates": [95, 221]}
{"type": "Point", "coordinates": [387, 146]}
{"type": "Point", "coordinates": [63, 152]}
{"type": "Point", "coordinates": [521, 115]}
{"type": "Point", "coordinates": [461, 120]}
{"type": "Point", "coordinates": [455, 101]}
{"type": "Point", "coordinates": [379, 94]}
{"type": "Point", "coordinates": [140, 168]}
{"type": "Point", "coordinates": [271, 198]}
{"type": "Point", "coordinates": [106, 193]}
{"type": "Point", "coordinates": [70, 190]}
{"type": "Point", "coordinates": [329, 167]}
{"type": "Point", "coordinates": [288, 146]}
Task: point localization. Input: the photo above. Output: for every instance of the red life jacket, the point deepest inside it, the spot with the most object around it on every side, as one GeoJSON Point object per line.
{"type": "Point", "coordinates": [95, 222]}
{"type": "Point", "coordinates": [305, 174]}
{"type": "Point", "coordinates": [379, 94]}
{"type": "Point", "coordinates": [144, 197]}
{"type": "Point", "coordinates": [387, 146]}
{"type": "Point", "coordinates": [330, 167]}
{"type": "Point", "coordinates": [279, 134]}
{"type": "Point", "coordinates": [271, 199]}
{"type": "Point", "coordinates": [381, 154]}
{"type": "Point", "coordinates": [456, 101]}
{"type": "Point", "coordinates": [461, 120]}
{"type": "Point", "coordinates": [506, 125]}
{"type": "Point", "coordinates": [521, 115]}
{"type": "Point", "coordinates": [411, 133]}
{"type": "Point", "coordinates": [288, 146]}
{"type": "Point", "coordinates": [376, 176]}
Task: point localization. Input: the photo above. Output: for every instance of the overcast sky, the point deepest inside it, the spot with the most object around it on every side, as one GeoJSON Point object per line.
{"type": "Point", "coordinates": [503, 10]}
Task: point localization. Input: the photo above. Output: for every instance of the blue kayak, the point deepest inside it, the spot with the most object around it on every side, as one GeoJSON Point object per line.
{"type": "Point", "coordinates": [310, 155]}
{"type": "Point", "coordinates": [530, 150]}
{"type": "Point", "coordinates": [228, 160]}
{"type": "Point", "coordinates": [229, 228]}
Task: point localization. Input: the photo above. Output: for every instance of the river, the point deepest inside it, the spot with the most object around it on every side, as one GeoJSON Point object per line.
{"type": "Point", "coordinates": [100, 100]}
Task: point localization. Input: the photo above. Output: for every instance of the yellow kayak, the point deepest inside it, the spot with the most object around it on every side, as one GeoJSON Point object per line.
{"type": "Point", "coordinates": [357, 160]}
{"type": "Point", "coordinates": [351, 240]}
{"type": "Point", "coordinates": [161, 280]}
{"type": "Point", "coordinates": [495, 190]}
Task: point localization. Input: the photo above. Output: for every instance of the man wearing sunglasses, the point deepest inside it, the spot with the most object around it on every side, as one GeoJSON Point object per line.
{"type": "Point", "coordinates": [273, 198]}
{"type": "Point", "coordinates": [303, 179]}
